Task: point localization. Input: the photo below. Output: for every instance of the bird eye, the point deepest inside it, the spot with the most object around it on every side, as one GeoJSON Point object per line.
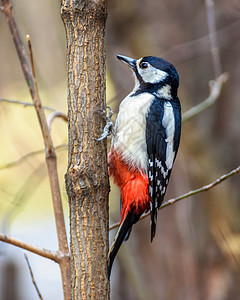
{"type": "Point", "coordinates": [143, 65]}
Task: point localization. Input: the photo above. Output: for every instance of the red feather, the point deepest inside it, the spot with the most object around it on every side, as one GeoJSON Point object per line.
{"type": "Point", "coordinates": [133, 185]}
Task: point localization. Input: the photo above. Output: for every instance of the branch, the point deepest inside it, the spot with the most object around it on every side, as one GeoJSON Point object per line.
{"type": "Point", "coordinates": [193, 48]}
{"type": "Point", "coordinates": [39, 251]}
{"type": "Point", "coordinates": [202, 189]}
{"type": "Point", "coordinates": [56, 114]}
{"type": "Point", "coordinates": [7, 10]}
{"type": "Point", "coordinates": [23, 194]}
{"type": "Point", "coordinates": [25, 104]}
{"type": "Point", "coordinates": [21, 159]}
{"type": "Point", "coordinates": [38, 107]}
{"type": "Point", "coordinates": [213, 37]}
{"type": "Point", "coordinates": [32, 276]}
{"type": "Point", "coordinates": [191, 193]}
{"type": "Point", "coordinates": [215, 91]}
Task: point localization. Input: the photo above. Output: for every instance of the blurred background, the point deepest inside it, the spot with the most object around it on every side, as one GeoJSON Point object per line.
{"type": "Point", "coordinates": [196, 253]}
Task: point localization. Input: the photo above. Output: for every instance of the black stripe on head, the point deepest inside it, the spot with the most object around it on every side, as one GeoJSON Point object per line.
{"type": "Point", "coordinates": [139, 77]}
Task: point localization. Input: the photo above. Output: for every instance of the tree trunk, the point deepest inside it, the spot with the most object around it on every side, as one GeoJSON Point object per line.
{"type": "Point", "coordinates": [87, 176]}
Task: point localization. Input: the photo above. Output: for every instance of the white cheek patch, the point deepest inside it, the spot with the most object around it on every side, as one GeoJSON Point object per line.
{"type": "Point", "coordinates": [164, 92]}
{"type": "Point", "coordinates": [151, 74]}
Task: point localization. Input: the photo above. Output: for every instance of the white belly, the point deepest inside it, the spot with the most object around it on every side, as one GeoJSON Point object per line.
{"type": "Point", "coordinates": [130, 130]}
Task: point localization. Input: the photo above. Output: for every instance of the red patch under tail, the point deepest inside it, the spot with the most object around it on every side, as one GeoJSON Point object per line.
{"type": "Point", "coordinates": [133, 184]}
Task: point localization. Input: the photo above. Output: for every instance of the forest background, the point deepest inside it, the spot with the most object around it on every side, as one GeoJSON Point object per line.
{"type": "Point", "coordinates": [196, 254]}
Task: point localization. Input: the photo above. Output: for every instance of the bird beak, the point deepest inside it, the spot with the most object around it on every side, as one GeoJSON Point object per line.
{"type": "Point", "coordinates": [127, 60]}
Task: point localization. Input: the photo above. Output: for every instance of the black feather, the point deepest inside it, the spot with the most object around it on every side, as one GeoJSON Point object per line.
{"type": "Point", "coordinates": [122, 234]}
{"type": "Point", "coordinates": [156, 135]}
{"type": "Point", "coordinates": [152, 192]}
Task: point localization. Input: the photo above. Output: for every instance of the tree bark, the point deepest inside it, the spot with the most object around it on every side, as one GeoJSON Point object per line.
{"type": "Point", "coordinates": [87, 176]}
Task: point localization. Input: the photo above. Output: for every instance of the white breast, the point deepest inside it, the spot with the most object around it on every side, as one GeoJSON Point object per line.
{"type": "Point", "coordinates": [130, 130]}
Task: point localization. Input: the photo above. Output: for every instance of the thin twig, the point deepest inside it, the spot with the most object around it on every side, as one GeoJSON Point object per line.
{"type": "Point", "coordinates": [19, 46]}
{"type": "Point", "coordinates": [25, 104]}
{"type": "Point", "coordinates": [56, 114]}
{"type": "Point", "coordinates": [191, 193]}
{"type": "Point", "coordinates": [32, 276]}
{"type": "Point", "coordinates": [38, 106]}
{"type": "Point", "coordinates": [23, 245]}
{"type": "Point", "coordinates": [213, 37]}
{"type": "Point", "coordinates": [21, 159]}
{"type": "Point", "coordinates": [202, 189]}
{"type": "Point", "coordinates": [22, 196]}
{"type": "Point", "coordinates": [215, 91]}
{"type": "Point", "coordinates": [197, 47]}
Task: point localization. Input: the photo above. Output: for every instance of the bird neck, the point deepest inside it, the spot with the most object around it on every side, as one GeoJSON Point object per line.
{"type": "Point", "coordinates": [163, 90]}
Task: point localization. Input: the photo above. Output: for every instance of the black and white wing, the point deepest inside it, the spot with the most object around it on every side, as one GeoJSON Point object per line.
{"type": "Point", "coordinates": [163, 129]}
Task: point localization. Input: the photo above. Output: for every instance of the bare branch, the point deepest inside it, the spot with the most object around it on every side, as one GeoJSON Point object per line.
{"type": "Point", "coordinates": [213, 37]}
{"type": "Point", "coordinates": [215, 91]}
{"type": "Point", "coordinates": [19, 46]}
{"type": "Point", "coordinates": [24, 104]}
{"type": "Point", "coordinates": [21, 159]}
{"type": "Point", "coordinates": [197, 47]}
{"type": "Point", "coordinates": [38, 106]}
{"type": "Point", "coordinates": [32, 276]}
{"type": "Point", "coordinates": [191, 193]}
{"type": "Point", "coordinates": [56, 114]}
{"type": "Point", "coordinates": [202, 189]}
{"type": "Point", "coordinates": [23, 245]}
{"type": "Point", "coordinates": [22, 196]}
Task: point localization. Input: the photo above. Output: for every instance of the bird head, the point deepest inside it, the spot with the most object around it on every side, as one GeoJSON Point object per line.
{"type": "Point", "coordinates": [152, 72]}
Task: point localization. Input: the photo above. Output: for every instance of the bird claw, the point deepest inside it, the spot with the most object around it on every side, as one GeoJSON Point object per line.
{"type": "Point", "coordinates": [108, 129]}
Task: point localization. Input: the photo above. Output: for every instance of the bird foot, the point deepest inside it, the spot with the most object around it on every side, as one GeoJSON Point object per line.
{"type": "Point", "coordinates": [108, 129]}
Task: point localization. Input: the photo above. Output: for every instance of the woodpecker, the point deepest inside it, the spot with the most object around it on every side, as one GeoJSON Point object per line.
{"type": "Point", "coordinates": [145, 143]}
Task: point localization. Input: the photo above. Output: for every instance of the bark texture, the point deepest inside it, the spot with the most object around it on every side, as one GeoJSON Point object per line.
{"type": "Point", "coordinates": [87, 176]}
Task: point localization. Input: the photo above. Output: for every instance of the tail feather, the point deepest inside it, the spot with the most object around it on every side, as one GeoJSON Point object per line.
{"type": "Point", "coordinates": [154, 212]}
{"type": "Point", "coordinates": [152, 194]}
{"type": "Point", "coordinates": [122, 234]}
{"type": "Point", "coordinates": [128, 234]}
